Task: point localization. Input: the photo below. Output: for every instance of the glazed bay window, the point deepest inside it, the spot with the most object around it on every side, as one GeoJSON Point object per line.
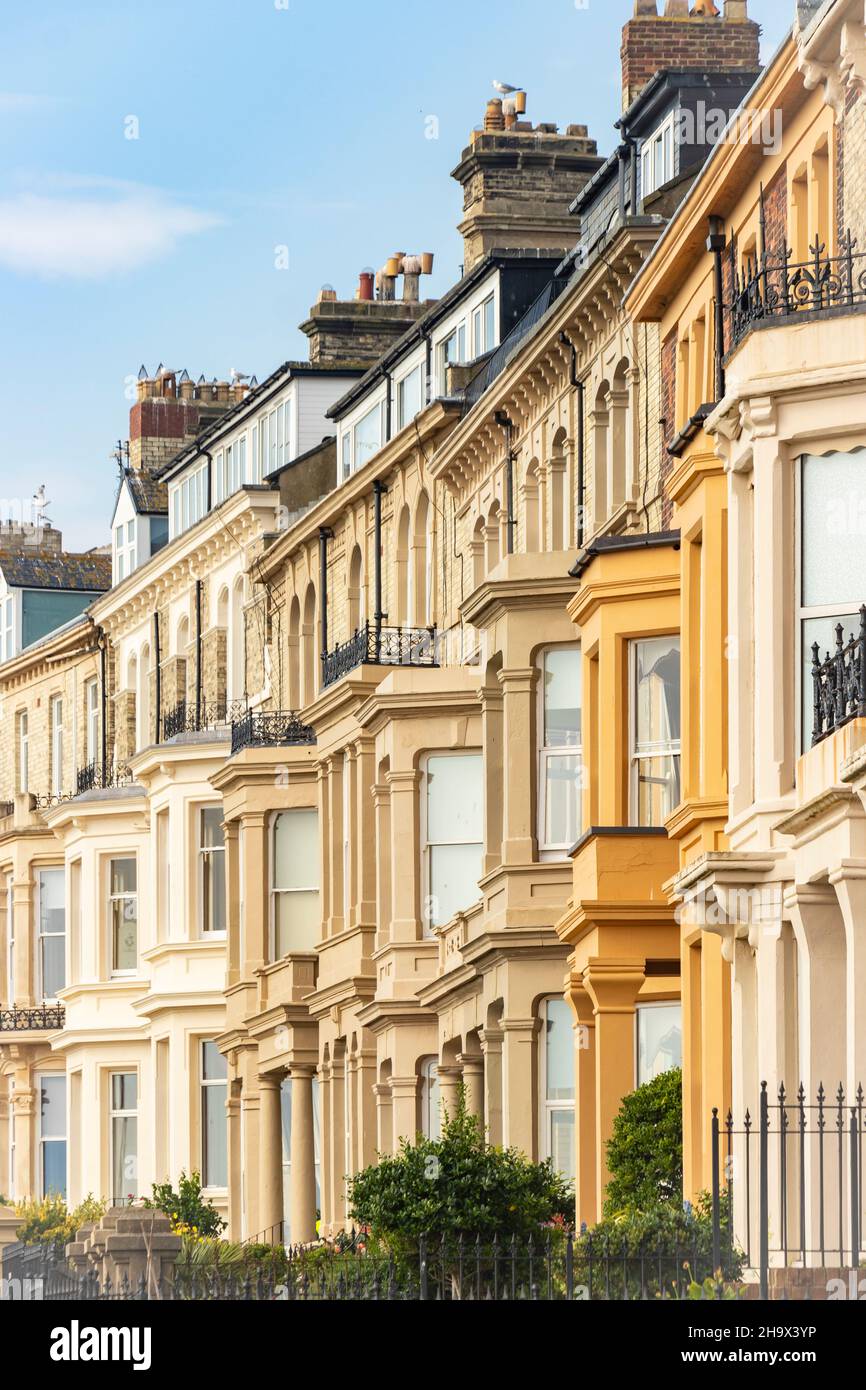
{"type": "Point", "coordinates": [214, 1143]}
{"type": "Point", "coordinates": [51, 931]}
{"type": "Point", "coordinates": [56, 726]}
{"type": "Point", "coordinates": [52, 1136]}
{"type": "Point", "coordinates": [123, 915]}
{"type": "Point", "coordinates": [212, 872]}
{"type": "Point", "coordinates": [833, 561]}
{"type": "Point", "coordinates": [454, 834]}
{"type": "Point", "coordinates": [659, 1040]}
{"type": "Point", "coordinates": [557, 1086]}
{"type": "Point", "coordinates": [123, 1116]}
{"type": "Point", "coordinates": [560, 759]}
{"type": "Point", "coordinates": [655, 730]}
{"type": "Point", "coordinates": [295, 913]}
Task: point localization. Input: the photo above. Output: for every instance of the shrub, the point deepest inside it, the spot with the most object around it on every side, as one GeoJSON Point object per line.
{"type": "Point", "coordinates": [456, 1185]}
{"type": "Point", "coordinates": [645, 1152]}
{"type": "Point", "coordinates": [48, 1221]}
{"type": "Point", "coordinates": [187, 1208]}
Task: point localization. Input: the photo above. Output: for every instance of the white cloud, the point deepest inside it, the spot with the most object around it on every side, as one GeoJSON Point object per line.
{"type": "Point", "coordinates": [93, 237]}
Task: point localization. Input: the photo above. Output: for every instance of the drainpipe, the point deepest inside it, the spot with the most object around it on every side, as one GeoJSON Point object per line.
{"type": "Point", "coordinates": [103, 700]}
{"type": "Point", "coordinates": [325, 535]}
{"type": "Point", "coordinates": [209, 476]}
{"type": "Point", "coordinates": [507, 424]}
{"type": "Point", "coordinates": [158, 673]}
{"type": "Point", "coordinates": [198, 655]}
{"type": "Point", "coordinates": [379, 489]}
{"type": "Point", "coordinates": [580, 388]}
{"type": "Point", "coordinates": [716, 247]}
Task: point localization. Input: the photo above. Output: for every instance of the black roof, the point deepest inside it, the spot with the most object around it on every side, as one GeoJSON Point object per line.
{"type": "Point", "coordinates": [89, 573]}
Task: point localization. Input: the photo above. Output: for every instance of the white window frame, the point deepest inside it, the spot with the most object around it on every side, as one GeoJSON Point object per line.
{"type": "Point", "coordinates": [427, 925]}
{"type": "Point", "coordinates": [430, 1096]}
{"type": "Point", "coordinates": [550, 1107]}
{"type": "Point", "coordinates": [205, 1084]}
{"type": "Point", "coordinates": [43, 935]}
{"type": "Point", "coordinates": [111, 899]}
{"type": "Point", "coordinates": [117, 1114]}
{"type": "Point", "coordinates": [417, 372]}
{"type": "Point", "coordinates": [273, 892]}
{"type": "Point", "coordinates": [57, 740]}
{"type": "Point", "coordinates": [205, 853]}
{"type": "Point", "coordinates": [7, 636]}
{"type": "Point", "coordinates": [546, 752]}
{"type": "Point", "coordinates": [91, 707]}
{"type": "Point", "coordinates": [672, 750]}
{"type": "Point", "coordinates": [662, 139]}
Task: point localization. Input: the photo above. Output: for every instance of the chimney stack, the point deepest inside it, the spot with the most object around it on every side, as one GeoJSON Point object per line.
{"type": "Point", "coordinates": [680, 37]}
{"type": "Point", "coordinates": [168, 413]}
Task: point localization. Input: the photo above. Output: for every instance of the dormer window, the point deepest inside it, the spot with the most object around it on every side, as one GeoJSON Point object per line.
{"type": "Point", "coordinates": [657, 158]}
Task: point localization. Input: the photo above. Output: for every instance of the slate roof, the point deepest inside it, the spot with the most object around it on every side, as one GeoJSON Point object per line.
{"type": "Point", "coordinates": [149, 495]}
{"type": "Point", "coordinates": [89, 573]}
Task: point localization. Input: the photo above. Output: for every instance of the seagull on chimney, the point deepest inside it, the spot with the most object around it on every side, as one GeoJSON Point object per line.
{"type": "Point", "coordinates": [237, 376]}
{"type": "Point", "coordinates": [505, 89]}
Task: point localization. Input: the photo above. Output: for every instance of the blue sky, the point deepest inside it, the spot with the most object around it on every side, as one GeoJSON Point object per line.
{"type": "Point", "coordinates": [260, 124]}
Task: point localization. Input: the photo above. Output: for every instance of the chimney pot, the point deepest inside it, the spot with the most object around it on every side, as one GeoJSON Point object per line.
{"type": "Point", "coordinates": [642, 8]}
{"type": "Point", "coordinates": [677, 9]}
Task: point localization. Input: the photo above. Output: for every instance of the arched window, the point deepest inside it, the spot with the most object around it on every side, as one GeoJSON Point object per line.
{"type": "Point", "coordinates": [620, 449]}
{"type": "Point", "coordinates": [600, 425]}
{"type": "Point", "coordinates": [560, 751]}
{"type": "Point", "coordinates": [533, 526]}
{"type": "Point", "coordinates": [404, 576]}
{"type": "Point", "coordinates": [144, 679]}
{"type": "Point", "coordinates": [479, 558]}
{"type": "Point", "coordinates": [356, 591]}
{"type": "Point", "coordinates": [494, 535]}
{"type": "Point", "coordinates": [237, 643]}
{"type": "Point", "coordinates": [559, 500]}
{"type": "Point", "coordinates": [308, 643]}
{"type": "Point", "coordinates": [422, 586]}
{"type": "Point", "coordinates": [181, 641]}
{"type": "Point", "coordinates": [132, 687]}
{"type": "Point", "coordinates": [430, 1112]}
{"type": "Point", "coordinates": [222, 608]}
{"type": "Point", "coordinates": [294, 653]}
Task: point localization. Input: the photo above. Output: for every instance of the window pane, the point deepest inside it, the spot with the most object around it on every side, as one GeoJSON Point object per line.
{"type": "Point", "coordinates": [410, 397]}
{"type": "Point", "coordinates": [53, 966]}
{"type": "Point", "coordinates": [124, 1157]}
{"type": "Point", "coordinates": [658, 693]}
{"type": "Point", "coordinates": [124, 929]}
{"type": "Point", "coordinates": [454, 874]}
{"type": "Point", "coordinates": [214, 1066]}
{"type": "Point", "coordinates": [660, 1040]}
{"type": "Point", "coordinates": [123, 876]}
{"type": "Point", "coordinates": [296, 850]}
{"type": "Point", "coordinates": [214, 1139]}
{"type": "Point", "coordinates": [213, 892]}
{"type": "Point", "coordinates": [54, 1168]}
{"type": "Point", "coordinates": [212, 828]}
{"type": "Point", "coordinates": [124, 1091]}
{"type": "Point", "coordinates": [367, 436]}
{"type": "Point", "coordinates": [561, 1142]}
{"type": "Point", "coordinates": [658, 789]}
{"type": "Point", "coordinates": [454, 799]}
{"type": "Point", "coordinates": [559, 1042]}
{"type": "Point", "coordinates": [489, 324]}
{"type": "Point", "coordinates": [53, 1107]}
{"type": "Point", "coordinates": [834, 557]}
{"type": "Point", "coordinates": [562, 697]}
{"type": "Point", "coordinates": [297, 922]}
{"type": "Point", "coordinates": [561, 798]}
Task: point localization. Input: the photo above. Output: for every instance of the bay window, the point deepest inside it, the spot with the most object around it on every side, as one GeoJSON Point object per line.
{"type": "Point", "coordinates": [453, 834]}
{"type": "Point", "coordinates": [123, 1125]}
{"type": "Point", "coordinates": [560, 772]}
{"type": "Point", "coordinates": [833, 561]}
{"type": "Point", "coordinates": [655, 730]}
{"type": "Point", "coordinates": [212, 877]}
{"type": "Point", "coordinates": [51, 931]}
{"type": "Point", "coordinates": [52, 1136]}
{"type": "Point", "coordinates": [295, 911]}
{"type": "Point", "coordinates": [123, 914]}
{"type": "Point", "coordinates": [659, 1040]}
{"type": "Point", "coordinates": [557, 1086]}
{"type": "Point", "coordinates": [214, 1139]}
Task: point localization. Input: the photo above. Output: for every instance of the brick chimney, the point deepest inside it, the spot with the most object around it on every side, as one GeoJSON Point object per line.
{"type": "Point", "coordinates": [354, 333]}
{"type": "Point", "coordinates": [683, 37]}
{"type": "Point", "coordinates": [24, 538]}
{"type": "Point", "coordinates": [170, 411]}
{"type": "Point", "coordinates": [518, 181]}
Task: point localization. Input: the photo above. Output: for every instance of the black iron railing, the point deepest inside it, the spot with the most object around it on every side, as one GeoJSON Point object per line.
{"type": "Point", "coordinates": [772, 288]}
{"type": "Point", "coordinates": [188, 719]}
{"type": "Point", "coordinates": [94, 777]}
{"type": "Point", "coordinates": [381, 646]}
{"type": "Point", "coordinates": [839, 682]}
{"type": "Point", "coordinates": [793, 1176]}
{"type": "Point", "coordinates": [48, 1017]}
{"type": "Point", "coordinates": [279, 730]}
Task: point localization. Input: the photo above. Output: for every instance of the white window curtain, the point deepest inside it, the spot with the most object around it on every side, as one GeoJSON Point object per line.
{"type": "Point", "coordinates": [561, 756]}
{"type": "Point", "coordinates": [659, 1040]}
{"type": "Point", "coordinates": [655, 730]}
{"type": "Point", "coordinates": [51, 908]}
{"type": "Point", "coordinates": [295, 912]}
{"type": "Point", "coordinates": [123, 1118]}
{"type": "Point", "coordinates": [214, 1136]}
{"type": "Point", "coordinates": [454, 820]}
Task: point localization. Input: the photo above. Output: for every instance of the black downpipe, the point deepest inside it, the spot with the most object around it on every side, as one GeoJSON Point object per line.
{"type": "Point", "coordinates": [209, 456]}
{"type": "Point", "coordinates": [198, 654]}
{"type": "Point", "coordinates": [325, 535]}
{"type": "Point", "coordinates": [379, 489]}
{"type": "Point", "coordinates": [103, 701]}
{"type": "Point", "coordinates": [388, 407]}
{"type": "Point", "coordinates": [506, 423]}
{"type": "Point", "coordinates": [716, 246]}
{"type": "Point", "coordinates": [158, 674]}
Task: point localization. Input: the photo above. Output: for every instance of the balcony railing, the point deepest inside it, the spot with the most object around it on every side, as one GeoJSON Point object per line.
{"type": "Point", "coordinates": [381, 646]}
{"type": "Point", "coordinates": [773, 289]}
{"type": "Point", "coordinates": [93, 777]}
{"type": "Point", "coordinates": [187, 719]}
{"type": "Point", "coordinates": [839, 682]}
{"type": "Point", "coordinates": [279, 730]}
{"type": "Point", "coordinates": [47, 1018]}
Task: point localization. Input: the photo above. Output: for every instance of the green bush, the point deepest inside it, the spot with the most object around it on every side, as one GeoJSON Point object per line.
{"type": "Point", "coordinates": [456, 1185]}
{"type": "Point", "coordinates": [190, 1213]}
{"type": "Point", "coordinates": [645, 1152]}
{"type": "Point", "coordinates": [48, 1221]}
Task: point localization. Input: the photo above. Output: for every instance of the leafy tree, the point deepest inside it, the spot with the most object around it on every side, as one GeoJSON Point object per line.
{"type": "Point", "coordinates": [457, 1185]}
{"type": "Point", "coordinates": [190, 1213]}
{"type": "Point", "coordinates": [645, 1152]}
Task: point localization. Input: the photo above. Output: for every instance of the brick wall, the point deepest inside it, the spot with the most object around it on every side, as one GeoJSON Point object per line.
{"type": "Point", "coordinates": [851, 170]}
{"type": "Point", "coordinates": [776, 214]}
{"type": "Point", "coordinates": [653, 43]}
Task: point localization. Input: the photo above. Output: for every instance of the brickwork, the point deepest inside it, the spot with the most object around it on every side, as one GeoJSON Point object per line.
{"type": "Point", "coordinates": [776, 214]}
{"type": "Point", "coordinates": [357, 332]}
{"type": "Point", "coordinates": [651, 43]}
{"type": "Point", "coordinates": [851, 185]}
{"type": "Point", "coordinates": [214, 656]}
{"type": "Point", "coordinates": [32, 694]}
{"type": "Point", "coordinates": [124, 721]}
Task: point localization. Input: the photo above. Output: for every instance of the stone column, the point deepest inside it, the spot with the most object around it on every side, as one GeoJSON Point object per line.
{"type": "Point", "coordinates": [585, 1146]}
{"type": "Point", "coordinates": [473, 1083]}
{"type": "Point", "coordinates": [253, 920]}
{"type": "Point", "coordinates": [492, 742]}
{"type": "Point", "coordinates": [850, 885]}
{"type": "Point", "coordinates": [491, 1048]}
{"type": "Point", "coordinates": [365, 831]}
{"type": "Point", "coordinates": [518, 830]}
{"type": "Point", "coordinates": [382, 811]}
{"type": "Point", "coordinates": [405, 925]}
{"type": "Point", "coordinates": [520, 1084]}
{"type": "Point", "coordinates": [613, 986]}
{"type": "Point", "coordinates": [449, 1090]}
{"type": "Point", "coordinates": [384, 1117]}
{"type": "Point", "coordinates": [270, 1155]}
{"type": "Point", "coordinates": [233, 843]}
{"type": "Point", "coordinates": [404, 1109]}
{"type": "Point", "coordinates": [26, 1103]}
{"type": "Point", "coordinates": [302, 1196]}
